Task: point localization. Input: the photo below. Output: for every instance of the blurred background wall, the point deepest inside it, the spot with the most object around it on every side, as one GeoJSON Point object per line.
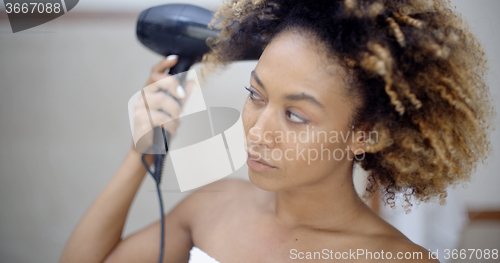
{"type": "Point", "coordinates": [64, 130]}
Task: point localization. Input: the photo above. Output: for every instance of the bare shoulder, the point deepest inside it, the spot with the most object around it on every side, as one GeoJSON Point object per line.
{"type": "Point", "coordinates": [212, 198]}
{"type": "Point", "coordinates": [221, 191]}
{"type": "Point", "coordinates": [377, 236]}
{"type": "Point", "coordinates": [186, 224]}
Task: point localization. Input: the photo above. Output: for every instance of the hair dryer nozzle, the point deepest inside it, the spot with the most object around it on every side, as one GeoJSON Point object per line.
{"type": "Point", "coordinates": [180, 29]}
{"type": "Point", "coordinates": [176, 29]}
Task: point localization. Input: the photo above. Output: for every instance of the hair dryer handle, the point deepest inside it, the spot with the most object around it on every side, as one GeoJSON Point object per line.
{"type": "Point", "coordinates": [161, 137]}
{"type": "Point", "coordinates": [183, 65]}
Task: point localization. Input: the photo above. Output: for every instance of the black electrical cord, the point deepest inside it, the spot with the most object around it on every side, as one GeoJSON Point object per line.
{"type": "Point", "coordinates": [162, 243]}
{"type": "Point", "coordinates": [158, 161]}
{"type": "Point", "coordinates": [158, 169]}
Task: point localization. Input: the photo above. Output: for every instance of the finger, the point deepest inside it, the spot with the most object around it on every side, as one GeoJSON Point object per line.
{"type": "Point", "coordinates": [166, 122]}
{"type": "Point", "coordinates": [159, 80]}
{"type": "Point", "coordinates": [173, 87]}
{"type": "Point", "coordinates": [188, 90]}
{"type": "Point", "coordinates": [165, 64]}
{"type": "Point", "coordinates": [158, 117]}
{"type": "Point", "coordinates": [143, 121]}
{"type": "Point", "coordinates": [160, 100]}
{"type": "Point", "coordinates": [168, 84]}
{"type": "Point", "coordinates": [180, 92]}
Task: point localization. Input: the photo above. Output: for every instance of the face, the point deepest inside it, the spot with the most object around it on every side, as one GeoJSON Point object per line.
{"type": "Point", "coordinates": [296, 117]}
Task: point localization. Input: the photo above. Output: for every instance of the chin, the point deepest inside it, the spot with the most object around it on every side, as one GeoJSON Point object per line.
{"type": "Point", "coordinates": [266, 181]}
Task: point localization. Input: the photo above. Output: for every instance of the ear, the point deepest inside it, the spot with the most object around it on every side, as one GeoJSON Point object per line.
{"type": "Point", "coordinates": [358, 143]}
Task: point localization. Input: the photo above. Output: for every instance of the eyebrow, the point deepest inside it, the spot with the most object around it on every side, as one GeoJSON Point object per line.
{"type": "Point", "coordinates": [254, 75]}
{"type": "Point", "coordinates": [304, 96]}
{"type": "Point", "coordinates": [294, 97]}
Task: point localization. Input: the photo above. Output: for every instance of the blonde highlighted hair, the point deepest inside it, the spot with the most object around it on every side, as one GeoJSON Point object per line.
{"type": "Point", "coordinates": [416, 67]}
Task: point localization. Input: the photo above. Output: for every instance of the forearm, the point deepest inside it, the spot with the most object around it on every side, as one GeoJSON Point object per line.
{"type": "Point", "coordinates": [101, 227]}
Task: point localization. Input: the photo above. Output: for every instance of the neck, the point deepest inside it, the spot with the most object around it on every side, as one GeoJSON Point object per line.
{"type": "Point", "coordinates": [330, 204]}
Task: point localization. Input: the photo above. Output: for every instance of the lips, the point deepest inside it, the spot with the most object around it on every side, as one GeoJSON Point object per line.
{"type": "Point", "coordinates": [255, 157]}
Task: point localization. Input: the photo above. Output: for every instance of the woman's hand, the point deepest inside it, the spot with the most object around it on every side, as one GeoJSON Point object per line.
{"type": "Point", "coordinates": [160, 104]}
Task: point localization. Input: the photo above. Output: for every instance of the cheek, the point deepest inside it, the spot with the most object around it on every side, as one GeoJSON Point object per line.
{"type": "Point", "coordinates": [314, 155]}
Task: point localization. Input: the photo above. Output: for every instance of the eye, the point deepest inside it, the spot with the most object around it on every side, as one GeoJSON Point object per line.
{"type": "Point", "coordinates": [295, 118]}
{"type": "Point", "coordinates": [254, 95]}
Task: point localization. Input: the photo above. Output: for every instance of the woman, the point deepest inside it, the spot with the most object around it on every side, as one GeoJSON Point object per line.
{"type": "Point", "coordinates": [395, 86]}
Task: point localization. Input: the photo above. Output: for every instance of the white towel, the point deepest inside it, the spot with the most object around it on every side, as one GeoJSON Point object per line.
{"type": "Point", "coordinates": [198, 256]}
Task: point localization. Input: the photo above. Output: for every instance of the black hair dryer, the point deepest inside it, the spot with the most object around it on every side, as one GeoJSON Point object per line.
{"type": "Point", "coordinates": [180, 29]}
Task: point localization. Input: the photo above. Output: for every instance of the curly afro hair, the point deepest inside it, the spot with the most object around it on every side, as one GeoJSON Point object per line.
{"type": "Point", "coordinates": [416, 67]}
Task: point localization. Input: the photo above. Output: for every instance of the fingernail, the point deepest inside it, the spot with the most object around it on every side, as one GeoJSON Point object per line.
{"type": "Point", "coordinates": [172, 57]}
{"type": "Point", "coordinates": [180, 92]}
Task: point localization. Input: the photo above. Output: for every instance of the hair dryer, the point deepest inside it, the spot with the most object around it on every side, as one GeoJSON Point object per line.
{"type": "Point", "coordinates": [180, 29]}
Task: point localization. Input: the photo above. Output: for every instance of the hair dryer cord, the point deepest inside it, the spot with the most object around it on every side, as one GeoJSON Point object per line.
{"type": "Point", "coordinates": [158, 162]}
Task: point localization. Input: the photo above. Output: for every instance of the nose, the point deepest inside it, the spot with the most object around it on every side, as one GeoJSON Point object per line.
{"type": "Point", "coordinates": [262, 133]}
